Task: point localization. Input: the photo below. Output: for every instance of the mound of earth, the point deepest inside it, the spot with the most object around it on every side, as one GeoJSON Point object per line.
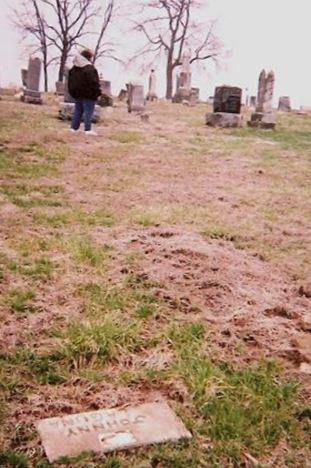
{"type": "Point", "coordinates": [243, 298]}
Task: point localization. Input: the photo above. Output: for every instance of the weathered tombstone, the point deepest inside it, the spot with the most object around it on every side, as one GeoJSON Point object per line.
{"type": "Point", "coordinates": [264, 117]}
{"type": "Point", "coordinates": [136, 98]}
{"type": "Point", "coordinates": [31, 93]}
{"type": "Point", "coordinates": [183, 80]}
{"type": "Point", "coordinates": [152, 91]}
{"type": "Point", "coordinates": [60, 88]}
{"type": "Point", "coordinates": [194, 96]}
{"type": "Point", "coordinates": [252, 101]}
{"type": "Point", "coordinates": [110, 430]}
{"type": "Point", "coordinates": [226, 107]}
{"type": "Point", "coordinates": [228, 99]}
{"type": "Point", "coordinates": [67, 97]}
{"type": "Point", "coordinates": [284, 104]}
{"type": "Point", "coordinates": [66, 108]}
{"type": "Point", "coordinates": [105, 100]}
{"type": "Point", "coordinates": [261, 91]}
{"type": "Point", "coordinates": [24, 74]}
{"type": "Point", "coordinates": [268, 94]}
{"type": "Point", "coordinates": [123, 95]}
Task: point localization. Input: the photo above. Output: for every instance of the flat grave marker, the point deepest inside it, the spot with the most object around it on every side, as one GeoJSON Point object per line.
{"type": "Point", "coordinates": [109, 430]}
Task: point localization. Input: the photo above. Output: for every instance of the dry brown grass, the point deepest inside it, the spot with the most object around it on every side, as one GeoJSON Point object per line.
{"type": "Point", "coordinates": [158, 259]}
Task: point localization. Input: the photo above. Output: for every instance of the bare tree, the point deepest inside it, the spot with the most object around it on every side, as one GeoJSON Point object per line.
{"type": "Point", "coordinates": [103, 48]}
{"type": "Point", "coordinates": [60, 25]}
{"type": "Point", "coordinates": [169, 26]}
{"type": "Point", "coordinates": [68, 22]}
{"type": "Point", "coordinates": [31, 21]}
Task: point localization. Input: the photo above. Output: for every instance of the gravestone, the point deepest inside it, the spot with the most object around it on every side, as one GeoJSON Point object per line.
{"type": "Point", "coordinates": [284, 104]}
{"type": "Point", "coordinates": [24, 73]}
{"type": "Point", "coordinates": [261, 91]}
{"type": "Point", "coordinates": [228, 99]}
{"type": "Point", "coordinates": [66, 108]}
{"type": "Point", "coordinates": [123, 95]}
{"type": "Point", "coordinates": [67, 97]}
{"type": "Point", "coordinates": [110, 430]}
{"type": "Point", "coordinates": [152, 91]}
{"type": "Point", "coordinates": [183, 79]}
{"type": "Point", "coordinates": [136, 98]}
{"type": "Point", "coordinates": [223, 119]}
{"type": "Point", "coordinates": [268, 94]}
{"type": "Point", "coordinates": [31, 93]}
{"type": "Point", "coordinates": [264, 116]}
{"type": "Point", "coordinates": [252, 101]}
{"type": "Point", "coordinates": [227, 104]}
{"type": "Point", "coordinates": [105, 100]}
{"type": "Point", "coordinates": [194, 96]}
{"type": "Point", "coordinates": [60, 88]}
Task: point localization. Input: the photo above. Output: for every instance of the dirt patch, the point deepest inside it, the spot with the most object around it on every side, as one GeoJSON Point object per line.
{"type": "Point", "coordinates": [242, 297]}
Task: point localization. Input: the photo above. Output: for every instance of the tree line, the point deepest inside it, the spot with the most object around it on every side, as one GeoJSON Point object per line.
{"type": "Point", "coordinates": [165, 28]}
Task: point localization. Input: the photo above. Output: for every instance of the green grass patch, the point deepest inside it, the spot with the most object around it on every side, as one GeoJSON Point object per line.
{"type": "Point", "coordinates": [19, 167]}
{"type": "Point", "coordinates": [16, 368]}
{"type": "Point", "coordinates": [127, 137]}
{"type": "Point", "coordinates": [40, 269]}
{"type": "Point", "coordinates": [11, 459]}
{"type": "Point", "coordinates": [91, 343]}
{"type": "Point", "coordinates": [84, 250]}
{"type": "Point", "coordinates": [75, 216]}
{"type": "Point", "coordinates": [131, 296]}
{"type": "Point", "coordinates": [21, 300]}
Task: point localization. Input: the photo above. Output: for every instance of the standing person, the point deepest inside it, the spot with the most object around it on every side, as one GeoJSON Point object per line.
{"type": "Point", "coordinates": [84, 87]}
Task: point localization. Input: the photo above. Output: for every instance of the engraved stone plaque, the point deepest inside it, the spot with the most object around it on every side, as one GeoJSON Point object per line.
{"type": "Point", "coordinates": [108, 430]}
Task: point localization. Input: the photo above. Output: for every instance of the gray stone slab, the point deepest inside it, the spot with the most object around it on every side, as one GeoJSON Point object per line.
{"type": "Point", "coordinates": [34, 74]}
{"type": "Point", "coordinates": [60, 88]}
{"type": "Point", "coordinates": [136, 98]}
{"type": "Point", "coordinates": [32, 100]}
{"type": "Point", "coordinates": [33, 94]}
{"type": "Point", "coordinates": [109, 430]}
{"type": "Point", "coordinates": [284, 104]}
{"type": "Point", "coordinates": [66, 109]}
{"type": "Point", "coordinates": [227, 99]}
{"type": "Point", "coordinates": [67, 97]}
{"type": "Point", "coordinates": [223, 119]}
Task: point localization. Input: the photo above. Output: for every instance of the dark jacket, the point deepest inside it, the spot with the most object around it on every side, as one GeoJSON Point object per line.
{"type": "Point", "coordinates": [83, 80]}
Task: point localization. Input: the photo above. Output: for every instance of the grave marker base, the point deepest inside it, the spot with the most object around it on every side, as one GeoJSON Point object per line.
{"type": "Point", "coordinates": [223, 120]}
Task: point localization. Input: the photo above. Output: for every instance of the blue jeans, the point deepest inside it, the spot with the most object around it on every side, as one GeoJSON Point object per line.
{"type": "Point", "coordinates": [83, 108]}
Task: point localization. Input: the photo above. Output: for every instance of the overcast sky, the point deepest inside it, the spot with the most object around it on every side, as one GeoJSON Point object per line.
{"type": "Point", "coordinates": [270, 34]}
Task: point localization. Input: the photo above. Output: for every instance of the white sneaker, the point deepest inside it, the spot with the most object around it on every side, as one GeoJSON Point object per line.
{"type": "Point", "coordinates": [91, 132]}
{"type": "Point", "coordinates": [72, 130]}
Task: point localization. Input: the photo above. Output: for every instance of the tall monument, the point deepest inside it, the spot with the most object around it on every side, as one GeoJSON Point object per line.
{"type": "Point", "coordinates": [152, 91]}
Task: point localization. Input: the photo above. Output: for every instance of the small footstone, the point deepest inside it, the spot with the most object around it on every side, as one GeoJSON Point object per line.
{"type": "Point", "coordinates": [110, 430]}
{"type": "Point", "coordinates": [223, 119]}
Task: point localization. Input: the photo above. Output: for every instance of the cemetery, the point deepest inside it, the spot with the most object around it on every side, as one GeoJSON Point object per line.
{"type": "Point", "coordinates": [155, 278]}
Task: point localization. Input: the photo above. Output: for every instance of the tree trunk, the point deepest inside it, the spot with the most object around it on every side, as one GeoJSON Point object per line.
{"type": "Point", "coordinates": [62, 65]}
{"type": "Point", "coordinates": [45, 71]}
{"type": "Point", "coordinates": [46, 78]}
{"type": "Point", "coordinates": [169, 77]}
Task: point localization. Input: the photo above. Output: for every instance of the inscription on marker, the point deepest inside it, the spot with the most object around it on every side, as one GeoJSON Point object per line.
{"type": "Point", "coordinates": [109, 430]}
